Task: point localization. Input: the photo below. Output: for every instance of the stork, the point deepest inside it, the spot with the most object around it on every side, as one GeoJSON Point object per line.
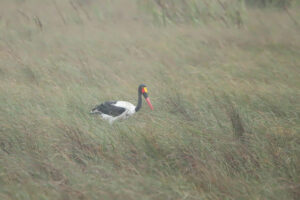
{"type": "Point", "coordinates": [115, 110]}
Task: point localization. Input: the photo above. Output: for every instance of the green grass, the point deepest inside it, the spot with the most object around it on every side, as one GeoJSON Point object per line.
{"type": "Point", "coordinates": [225, 123]}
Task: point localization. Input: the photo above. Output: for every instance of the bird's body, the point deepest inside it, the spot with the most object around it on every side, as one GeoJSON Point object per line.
{"type": "Point", "coordinates": [115, 110]}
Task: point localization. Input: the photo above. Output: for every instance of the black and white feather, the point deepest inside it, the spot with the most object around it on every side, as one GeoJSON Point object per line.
{"type": "Point", "coordinates": [114, 110]}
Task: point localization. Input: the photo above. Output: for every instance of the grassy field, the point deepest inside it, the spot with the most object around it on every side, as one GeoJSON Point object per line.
{"type": "Point", "coordinates": [225, 92]}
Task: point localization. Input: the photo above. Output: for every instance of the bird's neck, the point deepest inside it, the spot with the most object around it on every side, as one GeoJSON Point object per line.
{"type": "Point", "coordinates": [139, 104]}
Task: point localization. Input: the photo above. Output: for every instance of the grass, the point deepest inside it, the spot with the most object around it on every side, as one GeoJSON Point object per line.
{"type": "Point", "coordinates": [225, 123]}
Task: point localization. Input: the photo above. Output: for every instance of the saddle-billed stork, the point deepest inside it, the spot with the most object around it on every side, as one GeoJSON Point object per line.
{"type": "Point", "coordinates": [114, 110]}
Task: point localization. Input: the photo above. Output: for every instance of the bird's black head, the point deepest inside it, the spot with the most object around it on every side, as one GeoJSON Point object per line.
{"type": "Point", "coordinates": [144, 91]}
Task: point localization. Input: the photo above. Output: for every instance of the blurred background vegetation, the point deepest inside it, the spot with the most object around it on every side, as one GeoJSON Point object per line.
{"type": "Point", "coordinates": [223, 77]}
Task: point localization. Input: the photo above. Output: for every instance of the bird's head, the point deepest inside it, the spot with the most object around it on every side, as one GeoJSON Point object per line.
{"type": "Point", "coordinates": [144, 91]}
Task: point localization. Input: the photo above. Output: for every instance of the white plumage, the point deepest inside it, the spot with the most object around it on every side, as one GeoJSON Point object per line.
{"type": "Point", "coordinates": [127, 105]}
{"type": "Point", "coordinates": [129, 110]}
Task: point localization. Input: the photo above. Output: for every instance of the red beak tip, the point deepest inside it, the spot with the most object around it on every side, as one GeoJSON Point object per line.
{"type": "Point", "coordinates": [149, 103]}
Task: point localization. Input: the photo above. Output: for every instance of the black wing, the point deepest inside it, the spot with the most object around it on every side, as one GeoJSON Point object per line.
{"type": "Point", "coordinates": [109, 109]}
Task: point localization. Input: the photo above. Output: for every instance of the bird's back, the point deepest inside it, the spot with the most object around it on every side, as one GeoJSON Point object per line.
{"type": "Point", "coordinates": [127, 105]}
{"type": "Point", "coordinates": [109, 108]}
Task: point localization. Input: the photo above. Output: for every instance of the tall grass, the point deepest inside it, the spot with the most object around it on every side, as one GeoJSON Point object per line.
{"type": "Point", "coordinates": [271, 3]}
{"type": "Point", "coordinates": [226, 111]}
{"type": "Point", "coordinates": [229, 12]}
